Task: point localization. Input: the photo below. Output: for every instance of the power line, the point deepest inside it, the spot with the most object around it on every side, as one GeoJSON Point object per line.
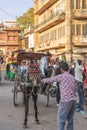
{"type": "Point", "coordinates": [6, 12]}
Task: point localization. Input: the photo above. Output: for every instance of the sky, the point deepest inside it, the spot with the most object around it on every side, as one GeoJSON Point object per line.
{"type": "Point", "coordinates": [10, 9]}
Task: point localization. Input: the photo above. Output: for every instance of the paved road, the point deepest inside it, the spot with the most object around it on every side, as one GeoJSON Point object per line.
{"type": "Point", "coordinates": [11, 118]}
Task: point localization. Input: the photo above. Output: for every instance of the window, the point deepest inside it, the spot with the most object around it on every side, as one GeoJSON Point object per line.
{"type": "Point", "coordinates": [41, 39]}
{"type": "Point", "coordinates": [84, 29]}
{"type": "Point", "coordinates": [83, 4]}
{"type": "Point", "coordinates": [39, 42]}
{"type": "Point", "coordinates": [59, 35]}
{"type": "Point", "coordinates": [15, 38]}
{"type": "Point", "coordinates": [73, 29]}
{"type": "Point", "coordinates": [78, 29]}
{"type": "Point", "coordinates": [50, 13]}
{"type": "Point", "coordinates": [50, 35]}
{"type": "Point", "coordinates": [77, 4]}
{"type": "Point", "coordinates": [54, 34]}
{"type": "Point", "coordinates": [26, 42]}
{"type": "Point", "coordinates": [10, 38]}
{"type": "Point", "coordinates": [72, 4]}
{"type": "Point", "coordinates": [63, 30]}
{"type": "Point", "coordinates": [47, 37]}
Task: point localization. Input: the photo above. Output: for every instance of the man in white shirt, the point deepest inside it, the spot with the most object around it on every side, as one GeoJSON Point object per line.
{"type": "Point", "coordinates": [44, 64]}
{"type": "Point", "coordinates": [23, 71]}
{"type": "Point", "coordinates": [45, 69]}
{"type": "Point", "coordinates": [79, 78]}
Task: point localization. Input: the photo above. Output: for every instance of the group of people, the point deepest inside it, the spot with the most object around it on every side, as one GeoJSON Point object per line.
{"type": "Point", "coordinates": [70, 83]}
{"type": "Point", "coordinates": [70, 86]}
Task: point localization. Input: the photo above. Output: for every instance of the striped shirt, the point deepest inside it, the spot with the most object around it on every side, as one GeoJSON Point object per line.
{"type": "Point", "coordinates": [67, 86]}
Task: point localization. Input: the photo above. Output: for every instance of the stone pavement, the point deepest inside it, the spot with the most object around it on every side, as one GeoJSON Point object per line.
{"type": "Point", "coordinates": [80, 121]}
{"type": "Point", "coordinates": [11, 118]}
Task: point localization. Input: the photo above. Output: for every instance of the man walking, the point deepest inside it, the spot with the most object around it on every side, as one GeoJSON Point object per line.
{"type": "Point", "coordinates": [67, 104]}
{"type": "Point", "coordinates": [79, 78]}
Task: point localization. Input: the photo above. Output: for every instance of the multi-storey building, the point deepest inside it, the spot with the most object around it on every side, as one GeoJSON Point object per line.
{"type": "Point", "coordinates": [9, 39]}
{"type": "Point", "coordinates": [61, 26]}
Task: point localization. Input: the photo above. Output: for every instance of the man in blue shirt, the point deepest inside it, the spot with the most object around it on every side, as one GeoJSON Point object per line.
{"type": "Point", "coordinates": [45, 69]}
{"type": "Point", "coordinates": [23, 71]}
{"type": "Point", "coordinates": [44, 64]}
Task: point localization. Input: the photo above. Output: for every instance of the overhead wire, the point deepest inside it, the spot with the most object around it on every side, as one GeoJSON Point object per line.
{"type": "Point", "coordinates": [6, 12]}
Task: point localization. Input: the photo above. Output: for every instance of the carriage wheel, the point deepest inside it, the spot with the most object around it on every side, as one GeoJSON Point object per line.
{"type": "Point", "coordinates": [47, 96]}
{"type": "Point", "coordinates": [47, 100]}
{"type": "Point", "coordinates": [0, 77]}
{"type": "Point", "coordinates": [15, 94]}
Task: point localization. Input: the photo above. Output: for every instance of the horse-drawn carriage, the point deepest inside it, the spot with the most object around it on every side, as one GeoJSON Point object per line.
{"type": "Point", "coordinates": [31, 84]}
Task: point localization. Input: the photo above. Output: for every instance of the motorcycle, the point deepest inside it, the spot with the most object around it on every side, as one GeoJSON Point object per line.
{"type": "Point", "coordinates": [53, 89]}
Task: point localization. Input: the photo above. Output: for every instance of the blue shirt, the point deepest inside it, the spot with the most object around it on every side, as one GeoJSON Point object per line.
{"type": "Point", "coordinates": [23, 70]}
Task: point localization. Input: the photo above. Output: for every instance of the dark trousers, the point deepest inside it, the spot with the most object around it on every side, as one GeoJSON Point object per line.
{"type": "Point", "coordinates": [58, 94]}
{"type": "Point", "coordinates": [81, 95]}
{"type": "Point", "coordinates": [48, 74]}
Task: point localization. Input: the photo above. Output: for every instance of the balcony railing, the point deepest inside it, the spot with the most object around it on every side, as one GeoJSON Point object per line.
{"type": "Point", "coordinates": [60, 16]}
{"type": "Point", "coordinates": [41, 7]}
{"type": "Point", "coordinates": [80, 14]}
{"type": "Point", "coordinates": [80, 40]}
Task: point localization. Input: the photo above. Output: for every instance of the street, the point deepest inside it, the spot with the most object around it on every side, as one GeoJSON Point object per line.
{"type": "Point", "coordinates": [11, 118]}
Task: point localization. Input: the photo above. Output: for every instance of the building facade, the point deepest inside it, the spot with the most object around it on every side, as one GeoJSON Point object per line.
{"type": "Point", "coordinates": [9, 39]}
{"type": "Point", "coordinates": [61, 27]}
{"type": "Point", "coordinates": [27, 39]}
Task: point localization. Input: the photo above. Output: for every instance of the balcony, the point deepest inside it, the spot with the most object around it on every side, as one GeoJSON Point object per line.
{"type": "Point", "coordinates": [80, 40]}
{"type": "Point", "coordinates": [45, 48]}
{"type": "Point", "coordinates": [44, 6]}
{"type": "Point", "coordinates": [78, 50]}
{"type": "Point", "coordinates": [80, 14]}
{"type": "Point", "coordinates": [50, 22]}
{"type": "Point", "coordinates": [8, 44]}
{"type": "Point", "coordinates": [52, 44]}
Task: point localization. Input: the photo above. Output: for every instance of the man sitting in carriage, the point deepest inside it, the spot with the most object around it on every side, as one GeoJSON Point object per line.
{"type": "Point", "coordinates": [23, 69]}
{"type": "Point", "coordinates": [46, 70]}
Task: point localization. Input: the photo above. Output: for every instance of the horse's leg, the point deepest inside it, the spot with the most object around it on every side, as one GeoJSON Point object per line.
{"type": "Point", "coordinates": [24, 98]}
{"type": "Point", "coordinates": [35, 96]}
{"type": "Point", "coordinates": [26, 109]}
